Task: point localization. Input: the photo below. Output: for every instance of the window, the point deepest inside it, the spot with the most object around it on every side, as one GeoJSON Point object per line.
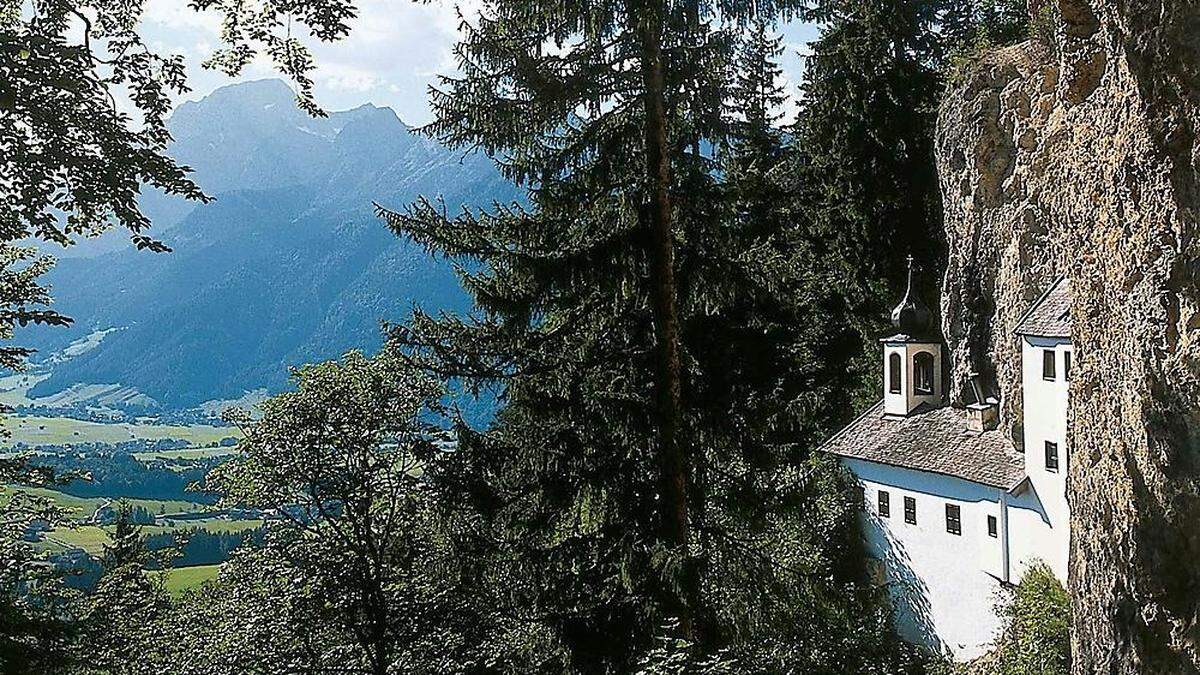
{"type": "Point", "coordinates": [1066, 365]}
{"type": "Point", "coordinates": [910, 510]}
{"type": "Point", "coordinates": [953, 519]}
{"type": "Point", "coordinates": [923, 373]}
{"type": "Point", "coordinates": [992, 527]}
{"type": "Point", "coordinates": [885, 504]}
{"type": "Point", "coordinates": [1047, 364]}
{"type": "Point", "coordinates": [860, 495]}
{"type": "Point", "coordinates": [894, 365]}
{"type": "Point", "coordinates": [1051, 456]}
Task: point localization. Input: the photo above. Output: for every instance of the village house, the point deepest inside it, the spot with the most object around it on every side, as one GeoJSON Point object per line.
{"type": "Point", "coordinates": [953, 508]}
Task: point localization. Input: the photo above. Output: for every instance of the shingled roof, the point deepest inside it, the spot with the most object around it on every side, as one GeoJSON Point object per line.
{"type": "Point", "coordinates": [936, 440]}
{"type": "Point", "coordinates": [1050, 316]}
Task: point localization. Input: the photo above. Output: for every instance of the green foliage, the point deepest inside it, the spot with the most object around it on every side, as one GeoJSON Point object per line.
{"type": "Point", "coordinates": [570, 488]}
{"type": "Point", "coordinates": [1043, 26]}
{"type": "Point", "coordinates": [125, 618]}
{"type": "Point", "coordinates": [341, 459]}
{"type": "Point", "coordinates": [36, 612]}
{"type": "Point", "coordinates": [21, 296]}
{"type": "Point", "coordinates": [976, 27]}
{"type": "Point", "coordinates": [1036, 639]}
{"type": "Point", "coordinates": [862, 175]}
{"type": "Point", "coordinates": [258, 618]}
{"type": "Point", "coordinates": [73, 162]}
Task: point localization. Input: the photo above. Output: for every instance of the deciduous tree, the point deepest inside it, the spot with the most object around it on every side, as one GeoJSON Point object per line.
{"type": "Point", "coordinates": [340, 462]}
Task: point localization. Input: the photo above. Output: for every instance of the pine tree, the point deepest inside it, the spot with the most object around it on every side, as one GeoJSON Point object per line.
{"type": "Point", "coordinates": [649, 467]}
{"type": "Point", "coordinates": [863, 180]}
{"type": "Point", "coordinates": [125, 619]}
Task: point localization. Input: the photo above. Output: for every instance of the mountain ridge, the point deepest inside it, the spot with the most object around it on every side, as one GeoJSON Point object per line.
{"type": "Point", "coordinates": [288, 265]}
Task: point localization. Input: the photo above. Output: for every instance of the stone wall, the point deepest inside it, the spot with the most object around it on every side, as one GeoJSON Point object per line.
{"type": "Point", "coordinates": [1078, 156]}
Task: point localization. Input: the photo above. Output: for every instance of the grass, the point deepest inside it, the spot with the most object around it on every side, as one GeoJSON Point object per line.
{"type": "Point", "coordinates": [186, 453]}
{"type": "Point", "coordinates": [83, 507]}
{"type": "Point", "coordinates": [34, 430]}
{"type": "Point", "coordinates": [214, 525]}
{"type": "Point", "coordinates": [180, 579]}
{"type": "Point", "coordinates": [93, 538]}
{"type": "Point", "coordinates": [90, 538]}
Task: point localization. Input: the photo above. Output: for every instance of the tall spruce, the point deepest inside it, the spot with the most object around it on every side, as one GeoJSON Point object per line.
{"type": "Point", "coordinates": [863, 175]}
{"type": "Point", "coordinates": [649, 471]}
{"type": "Point", "coordinates": [862, 182]}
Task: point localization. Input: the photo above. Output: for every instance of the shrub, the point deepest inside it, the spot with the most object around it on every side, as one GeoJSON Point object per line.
{"type": "Point", "coordinates": [1036, 639]}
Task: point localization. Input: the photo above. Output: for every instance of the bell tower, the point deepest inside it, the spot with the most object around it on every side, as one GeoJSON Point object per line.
{"type": "Point", "coordinates": [912, 357]}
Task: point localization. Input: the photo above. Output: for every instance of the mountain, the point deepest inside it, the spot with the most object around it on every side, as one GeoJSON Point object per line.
{"type": "Point", "coordinates": [288, 265]}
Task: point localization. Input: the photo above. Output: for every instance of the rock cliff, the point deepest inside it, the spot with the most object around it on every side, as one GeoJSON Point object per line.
{"type": "Point", "coordinates": [1076, 154]}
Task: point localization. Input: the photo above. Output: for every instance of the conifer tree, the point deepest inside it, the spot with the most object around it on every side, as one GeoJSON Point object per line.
{"type": "Point", "coordinates": [617, 498]}
{"type": "Point", "coordinates": [126, 617]}
{"type": "Point", "coordinates": [862, 177]}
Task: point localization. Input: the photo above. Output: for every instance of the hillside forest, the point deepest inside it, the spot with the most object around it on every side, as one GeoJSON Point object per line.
{"type": "Point", "coordinates": [678, 306]}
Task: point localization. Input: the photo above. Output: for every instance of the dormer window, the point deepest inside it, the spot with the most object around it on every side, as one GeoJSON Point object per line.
{"type": "Point", "coordinates": [1048, 364]}
{"type": "Point", "coordinates": [894, 365]}
{"type": "Point", "coordinates": [923, 373]}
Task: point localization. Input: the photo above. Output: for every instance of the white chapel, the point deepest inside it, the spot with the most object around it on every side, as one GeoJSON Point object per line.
{"type": "Point", "coordinates": [953, 509]}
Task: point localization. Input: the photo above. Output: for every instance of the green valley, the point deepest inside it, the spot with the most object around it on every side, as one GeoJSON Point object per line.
{"type": "Point", "coordinates": [31, 430]}
{"type": "Point", "coordinates": [147, 467]}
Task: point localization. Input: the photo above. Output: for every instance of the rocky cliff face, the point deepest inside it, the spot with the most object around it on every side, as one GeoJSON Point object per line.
{"type": "Point", "coordinates": [1078, 156]}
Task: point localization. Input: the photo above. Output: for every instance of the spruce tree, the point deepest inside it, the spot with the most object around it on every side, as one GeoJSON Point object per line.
{"type": "Point", "coordinates": [649, 471]}
{"type": "Point", "coordinates": [125, 618]}
{"type": "Point", "coordinates": [863, 180]}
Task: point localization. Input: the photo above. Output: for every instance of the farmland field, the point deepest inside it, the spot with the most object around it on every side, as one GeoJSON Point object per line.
{"type": "Point", "coordinates": [87, 537]}
{"type": "Point", "coordinates": [93, 538]}
{"type": "Point", "coordinates": [180, 579]}
{"type": "Point", "coordinates": [186, 453]}
{"type": "Point", "coordinates": [33, 430]}
{"type": "Point", "coordinates": [82, 507]}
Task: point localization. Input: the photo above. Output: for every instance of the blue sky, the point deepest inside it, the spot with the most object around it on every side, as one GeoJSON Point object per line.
{"type": "Point", "coordinates": [395, 50]}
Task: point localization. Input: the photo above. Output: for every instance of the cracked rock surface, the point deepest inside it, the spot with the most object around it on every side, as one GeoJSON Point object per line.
{"type": "Point", "coordinates": [1077, 156]}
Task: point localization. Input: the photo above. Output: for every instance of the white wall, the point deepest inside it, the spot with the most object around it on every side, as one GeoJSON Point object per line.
{"type": "Point", "coordinates": [895, 403]}
{"type": "Point", "coordinates": [1044, 404]}
{"type": "Point", "coordinates": [944, 587]}
{"type": "Point", "coordinates": [904, 402]}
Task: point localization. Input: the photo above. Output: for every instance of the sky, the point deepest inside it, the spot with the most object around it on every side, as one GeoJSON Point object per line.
{"type": "Point", "coordinates": [395, 50]}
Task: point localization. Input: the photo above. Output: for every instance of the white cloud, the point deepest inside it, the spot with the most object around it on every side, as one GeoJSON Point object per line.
{"type": "Point", "coordinates": [344, 77]}
{"type": "Point", "coordinates": [395, 51]}
{"type": "Point", "coordinates": [176, 15]}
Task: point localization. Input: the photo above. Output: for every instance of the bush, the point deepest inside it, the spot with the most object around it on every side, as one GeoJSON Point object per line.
{"type": "Point", "coordinates": [1036, 639]}
{"type": "Point", "coordinates": [1043, 27]}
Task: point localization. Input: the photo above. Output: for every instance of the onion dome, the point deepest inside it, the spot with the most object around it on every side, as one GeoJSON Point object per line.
{"type": "Point", "coordinates": [911, 316]}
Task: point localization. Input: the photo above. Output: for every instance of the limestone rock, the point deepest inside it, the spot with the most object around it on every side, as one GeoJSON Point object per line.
{"type": "Point", "coordinates": [1080, 158]}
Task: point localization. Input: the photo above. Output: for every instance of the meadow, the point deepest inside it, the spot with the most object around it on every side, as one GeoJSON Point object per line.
{"type": "Point", "coordinates": [82, 507]}
{"type": "Point", "coordinates": [181, 579]}
{"type": "Point", "coordinates": [33, 430]}
{"type": "Point", "coordinates": [205, 443]}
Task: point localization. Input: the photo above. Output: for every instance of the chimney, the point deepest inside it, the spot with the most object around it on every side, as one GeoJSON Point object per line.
{"type": "Point", "coordinates": [982, 415]}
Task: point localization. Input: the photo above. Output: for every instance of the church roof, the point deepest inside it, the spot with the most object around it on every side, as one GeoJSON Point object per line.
{"type": "Point", "coordinates": [912, 316]}
{"type": "Point", "coordinates": [937, 440]}
{"type": "Point", "coordinates": [1050, 316]}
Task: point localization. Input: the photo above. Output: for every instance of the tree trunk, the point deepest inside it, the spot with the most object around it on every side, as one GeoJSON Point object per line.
{"type": "Point", "coordinates": [656, 217]}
